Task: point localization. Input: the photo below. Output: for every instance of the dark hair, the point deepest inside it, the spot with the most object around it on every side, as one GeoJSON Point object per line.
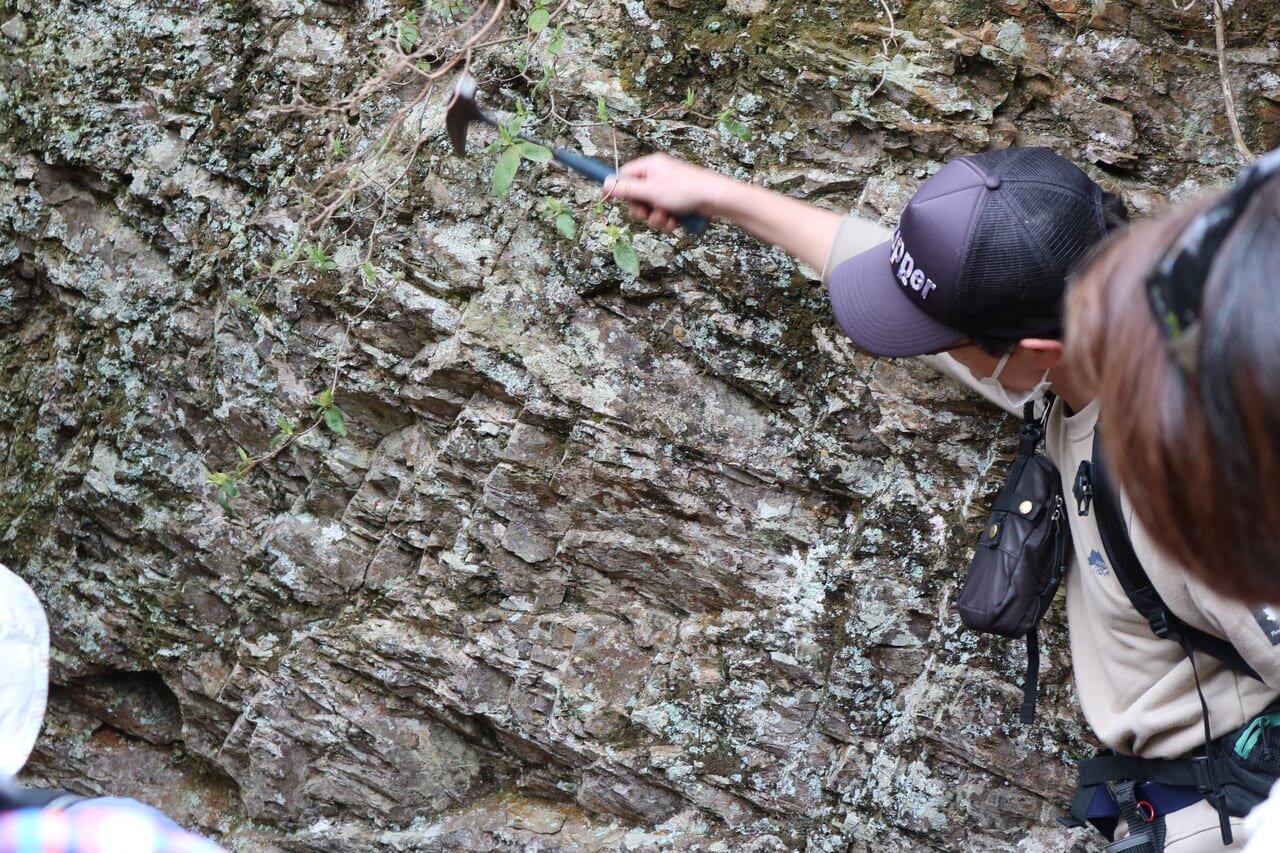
{"type": "Point", "coordinates": [1197, 450]}
{"type": "Point", "coordinates": [1115, 215]}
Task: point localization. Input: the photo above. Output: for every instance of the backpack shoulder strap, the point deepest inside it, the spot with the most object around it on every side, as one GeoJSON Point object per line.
{"type": "Point", "coordinates": [1029, 438]}
{"type": "Point", "coordinates": [1137, 585]}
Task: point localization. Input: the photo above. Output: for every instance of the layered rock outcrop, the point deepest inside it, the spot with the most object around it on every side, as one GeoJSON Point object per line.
{"type": "Point", "coordinates": [603, 561]}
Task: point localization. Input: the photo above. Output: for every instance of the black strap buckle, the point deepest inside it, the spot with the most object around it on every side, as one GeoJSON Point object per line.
{"type": "Point", "coordinates": [1204, 776]}
{"type": "Point", "coordinates": [1082, 488]}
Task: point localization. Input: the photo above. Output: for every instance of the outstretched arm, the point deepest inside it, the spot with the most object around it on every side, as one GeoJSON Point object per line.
{"type": "Point", "coordinates": [659, 186]}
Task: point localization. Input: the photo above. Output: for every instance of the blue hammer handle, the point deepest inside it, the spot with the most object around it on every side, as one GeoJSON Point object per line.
{"type": "Point", "coordinates": [597, 170]}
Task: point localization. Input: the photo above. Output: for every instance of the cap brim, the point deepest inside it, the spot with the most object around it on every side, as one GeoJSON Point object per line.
{"type": "Point", "coordinates": [875, 313]}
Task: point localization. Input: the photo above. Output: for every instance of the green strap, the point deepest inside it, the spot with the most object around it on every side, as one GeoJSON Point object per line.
{"type": "Point", "coordinates": [1249, 737]}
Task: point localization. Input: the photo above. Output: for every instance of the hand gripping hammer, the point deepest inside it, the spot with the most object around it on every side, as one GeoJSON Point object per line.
{"type": "Point", "coordinates": [463, 110]}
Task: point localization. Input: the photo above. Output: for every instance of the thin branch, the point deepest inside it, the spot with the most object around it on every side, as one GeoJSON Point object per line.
{"type": "Point", "coordinates": [1228, 100]}
{"type": "Point", "coordinates": [885, 44]}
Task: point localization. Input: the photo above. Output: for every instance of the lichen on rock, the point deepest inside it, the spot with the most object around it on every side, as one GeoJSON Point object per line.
{"type": "Point", "coordinates": [603, 561]}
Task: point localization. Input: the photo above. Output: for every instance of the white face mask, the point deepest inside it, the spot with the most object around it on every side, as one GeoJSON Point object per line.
{"type": "Point", "coordinates": [1002, 396]}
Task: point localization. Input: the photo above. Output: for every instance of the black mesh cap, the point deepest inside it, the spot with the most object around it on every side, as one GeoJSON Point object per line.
{"type": "Point", "coordinates": [983, 248]}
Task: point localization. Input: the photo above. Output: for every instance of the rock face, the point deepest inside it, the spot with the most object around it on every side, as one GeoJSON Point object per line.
{"type": "Point", "coordinates": [603, 561]}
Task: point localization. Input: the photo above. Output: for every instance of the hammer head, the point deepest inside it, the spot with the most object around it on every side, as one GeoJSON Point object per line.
{"type": "Point", "coordinates": [461, 111]}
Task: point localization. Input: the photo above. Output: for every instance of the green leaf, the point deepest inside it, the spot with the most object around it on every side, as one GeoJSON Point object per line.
{"type": "Point", "coordinates": [227, 491]}
{"type": "Point", "coordinates": [409, 36]}
{"type": "Point", "coordinates": [510, 129]}
{"type": "Point", "coordinates": [625, 257]}
{"type": "Point", "coordinates": [333, 420]}
{"type": "Point", "coordinates": [566, 226]}
{"type": "Point", "coordinates": [739, 130]}
{"type": "Point", "coordinates": [325, 399]}
{"type": "Point", "coordinates": [538, 20]}
{"type": "Point", "coordinates": [534, 152]}
{"type": "Point", "coordinates": [284, 435]}
{"type": "Point", "coordinates": [244, 303]}
{"type": "Point", "coordinates": [317, 258]}
{"type": "Point", "coordinates": [409, 33]}
{"type": "Point", "coordinates": [602, 110]}
{"type": "Point", "coordinates": [505, 171]}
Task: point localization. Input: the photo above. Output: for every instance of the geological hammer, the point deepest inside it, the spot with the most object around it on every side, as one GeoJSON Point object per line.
{"type": "Point", "coordinates": [463, 110]}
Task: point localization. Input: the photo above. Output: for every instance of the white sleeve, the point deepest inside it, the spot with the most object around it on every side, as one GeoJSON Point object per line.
{"type": "Point", "coordinates": [24, 677]}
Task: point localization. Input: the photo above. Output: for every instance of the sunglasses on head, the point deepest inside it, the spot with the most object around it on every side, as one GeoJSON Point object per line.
{"type": "Point", "coordinates": [1175, 286]}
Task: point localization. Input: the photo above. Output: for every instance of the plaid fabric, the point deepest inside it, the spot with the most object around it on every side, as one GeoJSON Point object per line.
{"type": "Point", "coordinates": [97, 826]}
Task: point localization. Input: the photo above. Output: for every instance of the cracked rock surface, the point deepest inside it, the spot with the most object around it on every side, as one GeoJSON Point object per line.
{"type": "Point", "coordinates": [603, 562]}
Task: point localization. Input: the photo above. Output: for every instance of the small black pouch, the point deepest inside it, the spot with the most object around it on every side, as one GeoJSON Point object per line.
{"type": "Point", "coordinates": [1022, 554]}
{"type": "Point", "coordinates": [1248, 762]}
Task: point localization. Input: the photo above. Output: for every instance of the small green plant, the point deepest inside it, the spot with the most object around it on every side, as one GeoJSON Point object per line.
{"type": "Point", "coordinates": [558, 212]}
{"type": "Point", "coordinates": [550, 68]}
{"type": "Point", "coordinates": [540, 17]}
{"type": "Point", "coordinates": [555, 46]}
{"type": "Point", "coordinates": [726, 118]}
{"type": "Point", "coordinates": [226, 487]}
{"type": "Point", "coordinates": [329, 413]}
{"type": "Point", "coordinates": [449, 10]}
{"type": "Point", "coordinates": [409, 34]}
{"type": "Point", "coordinates": [624, 254]}
{"type": "Point", "coordinates": [539, 20]}
{"type": "Point", "coordinates": [245, 303]}
{"type": "Point", "coordinates": [227, 483]}
{"type": "Point", "coordinates": [317, 258]}
{"type": "Point", "coordinates": [286, 434]}
{"type": "Point", "coordinates": [735, 128]}
{"type": "Point", "coordinates": [284, 259]}
{"type": "Point", "coordinates": [511, 150]}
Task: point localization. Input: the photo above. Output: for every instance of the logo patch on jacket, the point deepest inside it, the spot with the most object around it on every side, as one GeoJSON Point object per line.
{"type": "Point", "coordinates": [1100, 565]}
{"type": "Point", "coordinates": [1269, 622]}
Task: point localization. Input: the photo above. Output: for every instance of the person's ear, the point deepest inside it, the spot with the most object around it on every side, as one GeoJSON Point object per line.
{"type": "Point", "coordinates": [1047, 352]}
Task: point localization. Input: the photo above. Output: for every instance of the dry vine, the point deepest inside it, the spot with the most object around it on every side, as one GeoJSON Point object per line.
{"type": "Point", "coordinates": [353, 184]}
{"type": "Point", "coordinates": [422, 63]}
{"type": "Point", "coordinates": [1229, 101]}
{"type": "Point", "coordinates": [886, 44]}
{"type": "Point", "coordinates": [349, 179]}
